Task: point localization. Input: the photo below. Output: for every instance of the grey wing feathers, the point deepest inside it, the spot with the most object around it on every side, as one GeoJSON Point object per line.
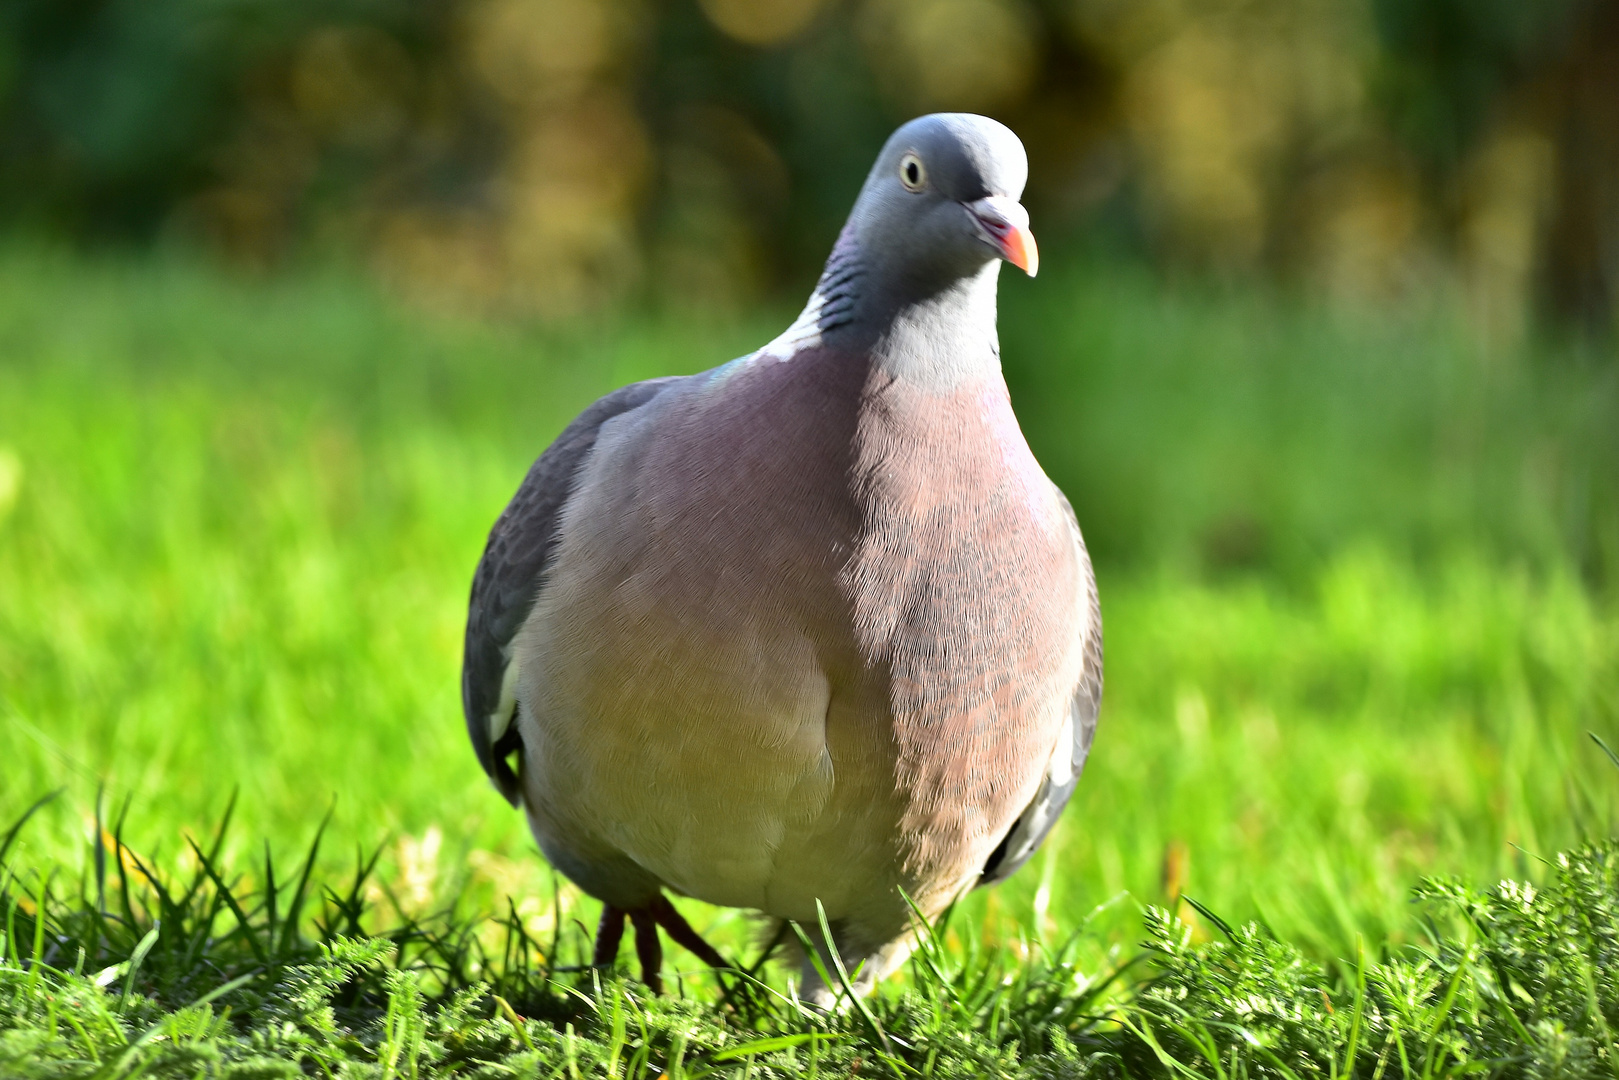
{"type": "Point", "coordinates": [509, 575]}
{"type": "Point", "coordinates": [1029, 831]}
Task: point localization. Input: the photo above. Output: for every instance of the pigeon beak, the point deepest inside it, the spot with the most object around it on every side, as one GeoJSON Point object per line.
{"type": "Point", "coordinates": [1005, 225]}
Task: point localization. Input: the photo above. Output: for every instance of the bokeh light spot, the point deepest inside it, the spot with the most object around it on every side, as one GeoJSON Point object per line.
{"type": "Point", "coordinates": [761, 22]}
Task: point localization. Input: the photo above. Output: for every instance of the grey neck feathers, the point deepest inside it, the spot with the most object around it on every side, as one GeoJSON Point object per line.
{"type": "Point", "coordinates": [934, 333]}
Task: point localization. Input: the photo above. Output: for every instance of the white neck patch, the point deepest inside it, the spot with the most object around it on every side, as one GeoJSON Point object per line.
{"type": "Point", "coordinates": [804, 333]}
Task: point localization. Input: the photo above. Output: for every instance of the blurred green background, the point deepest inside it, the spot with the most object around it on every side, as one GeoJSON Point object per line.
{"type": "Point", "coordinates": [291, 293]}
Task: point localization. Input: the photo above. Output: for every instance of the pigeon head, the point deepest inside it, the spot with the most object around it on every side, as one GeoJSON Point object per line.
{"type": "Point", "coordinates": [911, 280]}
{"type": "Point", "coordinates": [942, 201]}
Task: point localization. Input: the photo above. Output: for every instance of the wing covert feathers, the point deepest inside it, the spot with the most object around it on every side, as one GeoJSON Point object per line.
{"type": "Point", "coordinates": [509, 577]}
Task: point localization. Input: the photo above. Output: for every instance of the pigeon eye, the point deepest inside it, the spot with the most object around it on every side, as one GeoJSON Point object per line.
{"type": "Point", "coordinates": [911, 173]}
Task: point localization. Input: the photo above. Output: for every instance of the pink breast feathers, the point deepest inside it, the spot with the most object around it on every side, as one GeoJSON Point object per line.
{"type": "Point", "coordinates": [1022, 470]}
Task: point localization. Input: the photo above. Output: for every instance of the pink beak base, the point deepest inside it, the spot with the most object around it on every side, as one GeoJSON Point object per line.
{"type": "Point", "coordinates": [1006, 225]}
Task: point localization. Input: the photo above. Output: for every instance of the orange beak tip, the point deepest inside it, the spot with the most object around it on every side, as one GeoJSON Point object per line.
{"type": "Point", "coordinates": [1023, 252]}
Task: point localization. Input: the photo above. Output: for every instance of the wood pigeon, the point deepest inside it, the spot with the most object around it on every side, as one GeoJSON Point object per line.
{"type": "Point", "coordinates": [812, 625]}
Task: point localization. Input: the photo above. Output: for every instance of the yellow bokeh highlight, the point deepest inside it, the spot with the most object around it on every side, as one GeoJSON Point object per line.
{"type": "Point", "coordinates": [11, 473]}
{"type": "Point", "coordinates": [761, 22]}
{"type": "Point", "coordinates": [964, 55]}
{"type": "Point", "coordinates": [530, 51]}
{"type": "Point", "coordinates": [350, 84]}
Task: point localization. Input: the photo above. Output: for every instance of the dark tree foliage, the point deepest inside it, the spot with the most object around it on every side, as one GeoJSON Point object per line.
{"type": "Point", "coordinates": [1448, 63]}
{"type": "Point", "coordinates": [121, 118]}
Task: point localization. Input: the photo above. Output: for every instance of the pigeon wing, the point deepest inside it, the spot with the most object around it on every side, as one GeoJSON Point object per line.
{"type": "Point", "coordinates": [509, 576]}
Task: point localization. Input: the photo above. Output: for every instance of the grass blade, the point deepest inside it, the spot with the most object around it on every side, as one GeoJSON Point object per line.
{"type": "Point", "coordinates": [17, 826]}
{"type": "Point", "coordinates": [1606, 749]}
{"type": "Point", "coordinates": [843, 978]}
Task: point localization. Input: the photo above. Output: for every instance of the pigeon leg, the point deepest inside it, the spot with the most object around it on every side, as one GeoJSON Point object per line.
{"type": "Point", "coordinates": [681, 933]}
{"type": "Point", "coordinates": [609, 932]}
{"type": "Point", "coordinates": [648, 948]}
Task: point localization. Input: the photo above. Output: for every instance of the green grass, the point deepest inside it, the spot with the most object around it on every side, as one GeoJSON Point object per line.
{"type": "Point", "coordinates": [1356, 579]}
{"type": "Point", "coordinates": [150, 974]}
